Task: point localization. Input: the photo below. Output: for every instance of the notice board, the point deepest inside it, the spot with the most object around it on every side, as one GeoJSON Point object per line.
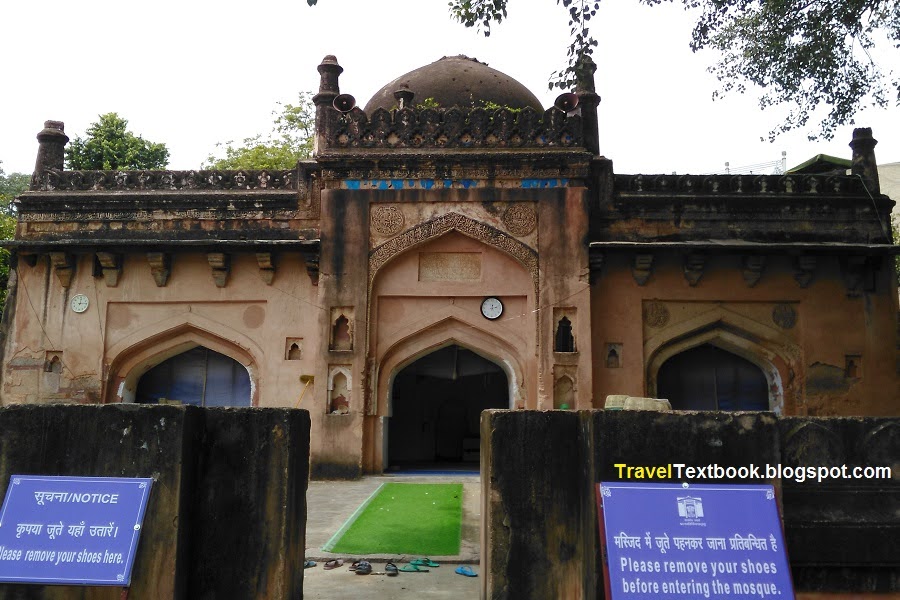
{"type": "Point", "coordinates": [71, 530]}
{"type": "Point", "coordinates": [692, 541]}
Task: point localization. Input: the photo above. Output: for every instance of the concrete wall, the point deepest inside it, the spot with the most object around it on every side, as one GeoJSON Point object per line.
{"type": "Point", "coordinates": [539, 519]}
{"type": "Point", "coordinates": [226, 517]}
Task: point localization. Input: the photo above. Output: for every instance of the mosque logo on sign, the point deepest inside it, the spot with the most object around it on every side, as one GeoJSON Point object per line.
{"type": "Point", "coordinates": [690, 508]}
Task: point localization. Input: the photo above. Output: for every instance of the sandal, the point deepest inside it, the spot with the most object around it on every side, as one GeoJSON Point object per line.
{"type": "Point", "coordinates": [333, 564]}
{"type": "Point", "coordinates": [412, 568]}
{"type": "Point", "coordinates": [466, 570]}
{"type": "Point", "coordinates": [354, 565]}
{"type": "Point", "coordinates": [391, 569]}
{"type": "Point", "coordinates": [423, 562]}
{"type": "Point", "coordinates": [309, 564]}
{"type": "Point", "coordinates": [363, 568]}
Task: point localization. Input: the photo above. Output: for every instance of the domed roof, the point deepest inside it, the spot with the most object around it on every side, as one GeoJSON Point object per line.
{"type": "Point", "coordinates": [457, 81]}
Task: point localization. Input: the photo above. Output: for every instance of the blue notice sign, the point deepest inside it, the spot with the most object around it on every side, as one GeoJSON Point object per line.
{"type": "Point", "coordinates": [697, 541]}
{"type": "Point", "coordinates": [71, 530]}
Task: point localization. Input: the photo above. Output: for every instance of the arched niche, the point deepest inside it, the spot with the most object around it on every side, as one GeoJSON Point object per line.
{"type": "Point", "coordinates": [142, 350]}
{"type": "Point", "coordinates": [767, 348]}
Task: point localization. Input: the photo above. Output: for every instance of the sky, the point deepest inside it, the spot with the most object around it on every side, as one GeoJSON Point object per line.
{"type": "Point", "coordinates": [194, 73]}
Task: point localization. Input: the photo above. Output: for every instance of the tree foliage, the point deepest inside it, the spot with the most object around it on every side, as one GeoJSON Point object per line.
{"type": "Point", "coordinates": [803, 53]}
{"type": "Point", "coordinates": [109, 145]}
{"type": "Point", "coordinates": [10, 186]}
{"type": "Point", "coordinates": [291, 140]}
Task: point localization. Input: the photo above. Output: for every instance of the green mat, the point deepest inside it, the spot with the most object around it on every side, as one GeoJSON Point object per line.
{"type": "Point", "coordinates": [404, 518]}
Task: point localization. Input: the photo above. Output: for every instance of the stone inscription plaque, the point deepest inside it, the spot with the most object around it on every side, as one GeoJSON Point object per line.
{"type": "Point", "coordinates": [449, 266]}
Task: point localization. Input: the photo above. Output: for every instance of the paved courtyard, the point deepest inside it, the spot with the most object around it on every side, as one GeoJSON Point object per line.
{"type": "Point", "coordinates": [331, 503]}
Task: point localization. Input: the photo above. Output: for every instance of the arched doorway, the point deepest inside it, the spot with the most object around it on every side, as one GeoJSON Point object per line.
{"type": "Point", "coordinates": [436, 405]}
{"type": "Point", "coordinates": [709, 378]}
{"type": "Point", "coordinates": [199, 377]}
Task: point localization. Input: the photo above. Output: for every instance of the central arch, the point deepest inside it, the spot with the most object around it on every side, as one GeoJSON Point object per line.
{"type": "Point", "coordinates": [435, 407]}
{"type": "Point", "coordinates": [447, 333]}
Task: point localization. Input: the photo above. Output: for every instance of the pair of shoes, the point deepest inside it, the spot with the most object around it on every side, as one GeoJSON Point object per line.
{"type": "Point", "coordinates": [363, 567]}
{"type": "Point", "coordinates": [423, 562]}
{"type": "Point", "coordinates": [413, 568]}
{"type": "Point", "coordinates": [308, 564]}
{"type": "Point", "coordinates": [466, 570]}
{"type": "Point", "coordinates": [391, 569]}
{"type": "Point", "coordinates": [334, 563]}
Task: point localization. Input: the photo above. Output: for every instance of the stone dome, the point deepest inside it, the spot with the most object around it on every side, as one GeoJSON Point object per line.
{"type": "Point", "coordinates": [457, 81]}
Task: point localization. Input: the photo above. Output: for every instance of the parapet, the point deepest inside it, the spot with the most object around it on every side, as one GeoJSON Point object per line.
{"type": "Point", "coordinates": [416, 128]}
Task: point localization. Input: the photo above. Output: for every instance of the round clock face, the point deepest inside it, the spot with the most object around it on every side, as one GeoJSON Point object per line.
{"type": "Point", "coordinates": [491, 308]}
{"type": "Point", "coordinates": [80, 303]}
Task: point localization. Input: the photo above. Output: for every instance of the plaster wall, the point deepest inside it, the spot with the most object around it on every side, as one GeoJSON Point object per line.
{"type": "Point", "coordinates": [565, 291]}
{"type": "Point", "coordinates": [129, 328]}
{"type": "Point", "coordinates": [809, 356]}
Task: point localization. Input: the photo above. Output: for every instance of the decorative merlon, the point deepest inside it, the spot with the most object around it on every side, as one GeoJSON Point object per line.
{"type": "Point", "coordinates": [111, 264]}
{"type": "Point", "coordinates": [63, 264]}
{"type": "Point", "coordinates": [266, 266]}
{"type": "Point", "coordinates": [694, 265]}
{"type": "Point", "coordinates": [160, 266]}
{"type": "Point", "coordinates": [220, 263]}
{"type": "Point", "coordinates": [642, 267]}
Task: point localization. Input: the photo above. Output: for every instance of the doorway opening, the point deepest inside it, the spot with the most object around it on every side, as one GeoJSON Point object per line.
{"type": "Point", "coordinates": [199, 377]}
{"type": "Point", "coordinates": [436, 409]}
{"type": "Point", "coordinates": [710, 378]}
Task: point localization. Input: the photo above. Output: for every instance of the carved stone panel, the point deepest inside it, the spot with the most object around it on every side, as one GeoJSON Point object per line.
{"type": "Point", "coordinates": [520, 218]}
{"type": "Point", "coordinates": [656, 314]}
{"type": "Point", "coordinates": [387, 220]}
{"type": "Point", "coordinates": [784, 316]}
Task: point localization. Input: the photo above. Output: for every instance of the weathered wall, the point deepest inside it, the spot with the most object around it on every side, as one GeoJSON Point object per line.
{"type": "Point", "coordinates": [539, 470]}
{"type": "Point", "coordinates": [104, 350]}
{"type": "Point", "coordinates": [799, 336]}
{"type": "Point", "coordinates": [227, 513]}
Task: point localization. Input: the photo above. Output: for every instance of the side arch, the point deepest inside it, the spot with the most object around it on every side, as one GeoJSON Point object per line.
{"type": "Point", "coordinates": [140, 351]}
{"type": "Point", "coordinates": [776, 355]}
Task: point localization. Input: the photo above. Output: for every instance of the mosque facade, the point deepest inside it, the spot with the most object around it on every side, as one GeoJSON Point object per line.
{"type": "Point", "coordinates": [451, 247]}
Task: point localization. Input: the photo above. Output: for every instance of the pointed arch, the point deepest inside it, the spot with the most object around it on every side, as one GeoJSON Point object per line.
{"type": "Point", "coordinates": [134, 355]}
{"type": "Point", "coordinates": [775, 354]}
{"type": "Point", "coordinates": [447, 332]}
{"type": "Point", "coordinates": [434, 228]}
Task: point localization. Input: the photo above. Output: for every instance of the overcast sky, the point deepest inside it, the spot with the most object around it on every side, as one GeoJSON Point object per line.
{"type": "Point", "coordinates": [193, 73]}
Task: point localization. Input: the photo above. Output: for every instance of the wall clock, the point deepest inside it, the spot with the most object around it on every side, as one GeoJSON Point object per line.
{"type": "Point", "coordinates": [491, 308]}
{"type": "Point", "coordinates": [80, 303]}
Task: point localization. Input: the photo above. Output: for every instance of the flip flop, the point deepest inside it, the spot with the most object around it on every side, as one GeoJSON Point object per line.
{"type": "Point", "coordinates": [308, 564]}
{"type": "Point", "coordinates": [423, 562]}
{"type": "Point", "coordinates": [412, 568]}
{"type": "Point", "coordinates": [391, 569]}
{"type": "Point", "coordinates": [363, 568]}
{"type": "Point", "coordinates": [354, 565]}
{"type": "Point", "coordinates": [333, 564]}
{"type": "Point", "coordinates": [467, 571]}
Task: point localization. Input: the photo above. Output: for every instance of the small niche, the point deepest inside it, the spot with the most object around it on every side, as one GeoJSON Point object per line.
{"type": "Point", "coordinates": [563, 336]}
{"type": "Point", "coordinates": [53, 362]}
{"type": "Point", "coordinates": [341, 330]}
{"type": "Point", "coordinates": [339, 391]}
{"type": "Point", "coordinates": [613, 356]}
{"type": "Point", "coordinates": [564, 393]}
{"type": "Point", "coordinates": [852, 366]}
{"type": "Point", "coordinates": [293, 348]}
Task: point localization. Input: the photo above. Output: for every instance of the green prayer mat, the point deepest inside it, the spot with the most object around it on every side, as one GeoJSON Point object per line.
{"type": "Point", "coordinates": [404, 518]}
